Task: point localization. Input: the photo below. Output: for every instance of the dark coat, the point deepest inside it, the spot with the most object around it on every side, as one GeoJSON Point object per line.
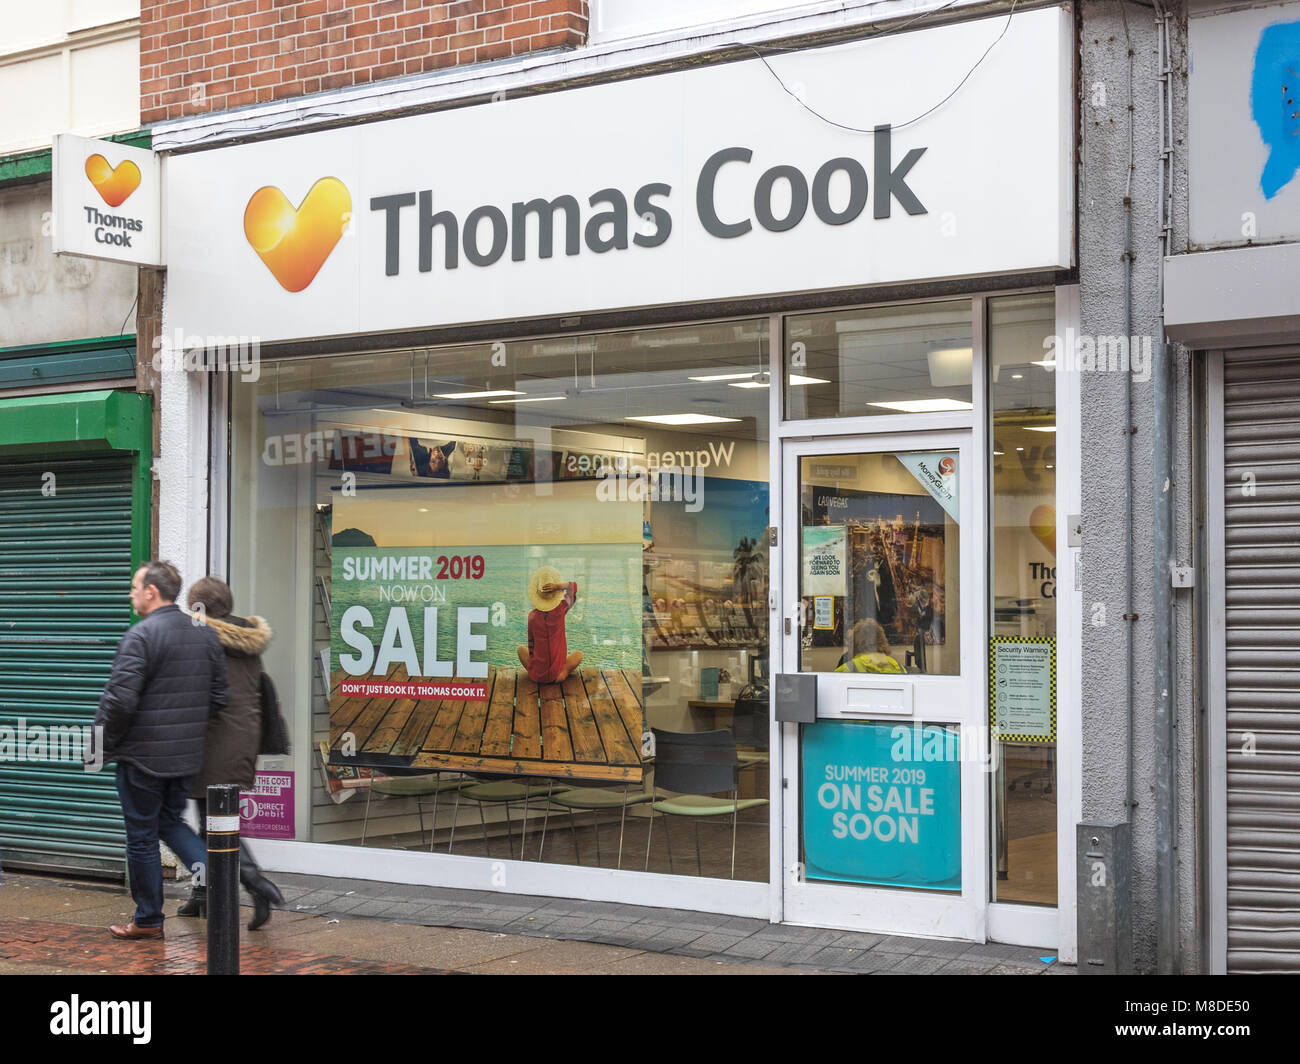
{"type": "Point", "coordinates": [236, 733]}
{"type": "Point", "coordinates": [168, 680]}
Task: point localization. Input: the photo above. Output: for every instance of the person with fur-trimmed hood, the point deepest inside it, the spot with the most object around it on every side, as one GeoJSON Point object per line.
{"type": "Point", "coordinates": [230, 753]}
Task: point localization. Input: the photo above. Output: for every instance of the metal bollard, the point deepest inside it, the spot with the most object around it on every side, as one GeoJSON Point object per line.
{"type": "Point", "coordinates": [223, 879]}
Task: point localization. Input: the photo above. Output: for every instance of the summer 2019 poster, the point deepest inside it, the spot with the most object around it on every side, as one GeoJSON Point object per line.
{"type": "Point", "coordinates": [436, 595]}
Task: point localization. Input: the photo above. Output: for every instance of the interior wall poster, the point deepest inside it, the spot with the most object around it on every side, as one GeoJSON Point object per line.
{"type": "Point", "coordinates": [706, 561]}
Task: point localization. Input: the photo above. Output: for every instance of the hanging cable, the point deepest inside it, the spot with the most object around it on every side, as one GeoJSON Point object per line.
{"type": "Point", "coordinates": [896, 125]}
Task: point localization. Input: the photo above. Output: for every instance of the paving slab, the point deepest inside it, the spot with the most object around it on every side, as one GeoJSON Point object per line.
{"type": "Point", "coordinates": [835, 958]}
{"type": "Point", "coordinates": [943, 948]}
{"type": "Point", "coordinates": [560, 958]}
{"type": "Point", "coordinates": [715, 942]}
{"type": "Point", "coordinates": [671, 939]}
{"type": "Point", "coordinates": [792, 953]}
{"type": "Point", "coordinates": [915, 964]}
{"type": "Point", "coordinates": [871, 962]}
{"type": "Point", "coordinates": [965, 966]}
{"type": "Point", "coordinates": [673, 964]}
{"type": "Point", "coordinates": [752, 948]}
{"type": "Point", "coordinates": [857, 940]}
{"type": "Point", "coordinates": [610, 923]}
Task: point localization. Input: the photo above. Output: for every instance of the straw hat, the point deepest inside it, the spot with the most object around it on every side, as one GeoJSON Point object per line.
{"type": "Point", "coordinates": [545, 600]}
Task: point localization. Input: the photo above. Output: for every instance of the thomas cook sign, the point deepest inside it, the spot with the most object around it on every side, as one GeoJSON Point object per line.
{"type": "Point", "coordinates": [557, 223]}
{"type": "Point", "coordinates": [703, 184]}
{"type": "Point", "coordinates": [107, 201]}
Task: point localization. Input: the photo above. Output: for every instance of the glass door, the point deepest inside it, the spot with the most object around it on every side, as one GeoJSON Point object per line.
{"type": "Point", "coordinates": [882, 601]}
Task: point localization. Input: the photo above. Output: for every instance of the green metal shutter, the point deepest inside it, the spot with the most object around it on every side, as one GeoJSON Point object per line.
{"type": "Point", "coordinates": [65, 573]}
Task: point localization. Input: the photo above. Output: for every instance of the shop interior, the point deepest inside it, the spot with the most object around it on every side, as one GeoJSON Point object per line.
{"type": "Point", "coordinates": [634, 465]}
{"type": "Point", "coordinates": [1022, 394]}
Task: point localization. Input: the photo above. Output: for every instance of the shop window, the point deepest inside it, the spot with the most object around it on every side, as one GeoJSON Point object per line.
{"type": "Point", "coordinates": [885, 360]}
{"type": "Point", "coordinates": [879, 568]}
{"type": "Point", "coordinates": [498, 572]}
{"type": "Point", "coordinates": [1022, 390]}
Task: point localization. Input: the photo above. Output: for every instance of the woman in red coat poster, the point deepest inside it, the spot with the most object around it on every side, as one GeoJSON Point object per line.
{"type": "Point", "coordinates": [546, 658]}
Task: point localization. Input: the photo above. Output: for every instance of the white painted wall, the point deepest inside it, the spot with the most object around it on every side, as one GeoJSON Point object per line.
{"type": "Point", "coordinates": [181, 470]}
{"type": "Point", "coordinates": [46, 297]}
{"type": "Point", "coordinates": [612, 20]}
{"type": "Point", "coordinates": [73, 64]}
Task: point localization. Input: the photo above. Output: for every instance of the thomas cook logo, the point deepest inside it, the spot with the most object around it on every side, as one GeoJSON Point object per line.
{"type": "Point", "coordinates": [114, 185]}
{"type": "Point", "coordinates": [294, 243]}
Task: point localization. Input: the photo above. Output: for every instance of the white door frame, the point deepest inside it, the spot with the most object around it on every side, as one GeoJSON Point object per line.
{"type": "Point", "coordinates": [1048, 926]}
{"type": "Point", "coordinates": [963, 914]}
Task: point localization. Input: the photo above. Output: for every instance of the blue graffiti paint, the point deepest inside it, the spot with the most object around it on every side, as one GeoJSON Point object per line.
{"type": "Point", "coordinates": [1275, 103]}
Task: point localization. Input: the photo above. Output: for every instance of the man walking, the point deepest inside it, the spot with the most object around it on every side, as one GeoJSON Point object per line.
{"type": "Point", "coordinates": [169, 677]}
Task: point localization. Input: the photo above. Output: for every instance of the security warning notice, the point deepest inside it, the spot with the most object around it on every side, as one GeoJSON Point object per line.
{"type": "Point", "coordinates": [1022, 688]}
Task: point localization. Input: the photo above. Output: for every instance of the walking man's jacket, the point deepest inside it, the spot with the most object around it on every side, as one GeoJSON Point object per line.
{"type": "Point", "coordinates": [168, 678]}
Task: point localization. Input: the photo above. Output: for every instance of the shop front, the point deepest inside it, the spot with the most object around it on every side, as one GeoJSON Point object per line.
{"type": "Point", "coordinates": [653, 486]}
{"type": "Point", "coordinates": [76, 440]}
{"type": "Point", "coordinates": [1231, 301]}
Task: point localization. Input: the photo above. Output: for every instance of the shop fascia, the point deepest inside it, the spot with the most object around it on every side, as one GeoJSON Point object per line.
{"type": "Point", "coordinates": [713, 183]}
{"type": "Point", "coordinates": [608, 227]}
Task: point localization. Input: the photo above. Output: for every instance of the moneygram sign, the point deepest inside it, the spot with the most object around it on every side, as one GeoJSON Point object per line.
{"type": "Point", "coordinates": [703, 184]}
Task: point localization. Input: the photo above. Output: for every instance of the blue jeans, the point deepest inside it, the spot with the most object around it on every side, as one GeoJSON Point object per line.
{"type": "Point", "coordinates": [152, 809]}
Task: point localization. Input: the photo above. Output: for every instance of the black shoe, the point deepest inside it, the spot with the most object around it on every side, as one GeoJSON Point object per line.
{"type": "Point", "coordinates": [261, 911]}
{"type": "Point", "coordinates": [196, 905]}
{"type": "Point", "coordinates": [257, 884]}
{"type": "Point", "coordinates": [265, 894]}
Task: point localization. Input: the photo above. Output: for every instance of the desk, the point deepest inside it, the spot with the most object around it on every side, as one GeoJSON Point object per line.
{"type": "Point", "coordinates": [721, 714]}
{"type": "Point", "coordinates": [713, 707]}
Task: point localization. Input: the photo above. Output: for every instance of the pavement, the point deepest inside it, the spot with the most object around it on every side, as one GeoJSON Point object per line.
{"type": "Point", "coordinates": [341, 926]}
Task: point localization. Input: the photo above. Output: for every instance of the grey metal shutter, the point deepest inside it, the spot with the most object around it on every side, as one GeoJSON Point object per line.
{"type": "Point", "coordinates": [65, 574]}
{"type": "Point", "coordinates": [1261, 442]}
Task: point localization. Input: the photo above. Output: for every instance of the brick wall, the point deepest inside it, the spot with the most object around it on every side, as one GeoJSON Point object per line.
{"type": "Point", "coordinates": [199, 56]}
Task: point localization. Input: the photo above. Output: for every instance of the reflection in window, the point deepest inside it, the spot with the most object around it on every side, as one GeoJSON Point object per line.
{"type": "Point", "coordinates": [912, 359]}
{"type": "Point", "coordinates": [879, 563]}
{"type": "Point", "coordinates": [1023, 402]}
{"type": "Point", "coordinates": [501, 569]}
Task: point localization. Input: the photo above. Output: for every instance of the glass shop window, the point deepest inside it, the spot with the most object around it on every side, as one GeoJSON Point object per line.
{"type": "Point", "coordinates": [520, 593]}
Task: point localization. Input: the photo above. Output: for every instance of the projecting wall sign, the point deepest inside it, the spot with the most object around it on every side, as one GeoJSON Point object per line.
{"type": "Point", "coordinates": [107, 201]}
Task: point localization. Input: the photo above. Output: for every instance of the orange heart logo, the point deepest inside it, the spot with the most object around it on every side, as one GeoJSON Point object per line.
{"type": "Point", "coordinates": [294, 244]}
{"type": "Point", "coordinates": [1042, 523]}
{"type": "Point", "coordinates": [114, 186]}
